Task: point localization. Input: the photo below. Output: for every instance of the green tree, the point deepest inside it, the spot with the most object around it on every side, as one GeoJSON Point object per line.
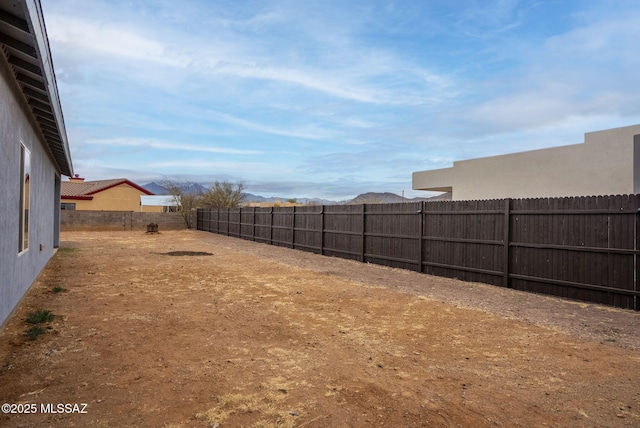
{"type": "Point", "coordinates": [224, 194]}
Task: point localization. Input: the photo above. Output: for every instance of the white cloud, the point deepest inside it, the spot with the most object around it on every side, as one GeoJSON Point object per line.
{"type": "Point", "coordinates": [310, 132]}
{"type": "Point", "coordinates": [604, 40]}
{"type": "Point", "coordinates": [361, 92]}
{"type": "Point", "coordinates": [351, 72]}
{"type": "Point", "coordinates": [155, 144]}
{"type": "Point", "coordinates": [94, 37]}
{"type": "Point", "coordinates": [199, 166]}
{"type": "Point", "coordinates": [486, 19]}
{"type": "Point", "coordinates": [584, 72]}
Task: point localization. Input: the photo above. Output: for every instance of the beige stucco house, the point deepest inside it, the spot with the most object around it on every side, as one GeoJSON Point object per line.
{"type": "Point", "coordinates": [117, 194]}
{"type": "Point", "coordinates": [606, 163]}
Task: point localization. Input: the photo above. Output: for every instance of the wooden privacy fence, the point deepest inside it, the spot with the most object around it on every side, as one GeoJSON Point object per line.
{"type": "Point", "coordinates": [583, 248]}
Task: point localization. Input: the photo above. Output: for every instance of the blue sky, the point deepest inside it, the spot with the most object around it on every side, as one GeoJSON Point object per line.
{"type": "Point", "coordinates": [333, 98]}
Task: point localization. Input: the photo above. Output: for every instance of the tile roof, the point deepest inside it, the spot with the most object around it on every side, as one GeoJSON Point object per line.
{"type": "Point", "coordinates": [85, 189]}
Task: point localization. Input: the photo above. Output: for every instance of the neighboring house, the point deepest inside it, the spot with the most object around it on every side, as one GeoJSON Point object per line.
{"type": "Point", "coordinates": [34, 152]}
{"type": "Point", "coordinates": [168, 203]}
{"type": "Point", "coordinates": [607, 163]}
{"type": "Point", "coordinates": [117, 194]}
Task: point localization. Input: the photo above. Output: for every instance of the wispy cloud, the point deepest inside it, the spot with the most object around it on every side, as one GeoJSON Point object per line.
{"type": "Point", "coordinates": [197, 166]}
{"type": "Point", "coordinates": [584, 72]}
{"type": "Point", "coordinates": [356, 78]}
{"type": "Point", "coordinates": [155, 144]}
{"type": "Point", "coordinates": [309, 133]}
{"type": "Point", "coordinates": [112, 40]}
{"type": "Point", "coordinates": [489, 18]}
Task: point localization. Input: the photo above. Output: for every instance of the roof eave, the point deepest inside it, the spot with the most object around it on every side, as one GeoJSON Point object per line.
{"type": "Point", "coordinates": [77, 197]}
{"type": "Point", "coordinates": [30, 59]}
{"type": "Point", "coordinates": [123, 181]}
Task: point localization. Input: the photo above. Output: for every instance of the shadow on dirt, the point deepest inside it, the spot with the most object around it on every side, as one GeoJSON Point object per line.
{"type": "Point", "coordinates": [185, 253]}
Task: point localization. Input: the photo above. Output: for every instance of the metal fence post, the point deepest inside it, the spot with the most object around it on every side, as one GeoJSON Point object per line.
{"type": "Point", "coordinates": [293, 228]}
{"type": "Point", "coordinates": [322, 231]}
{"type": "Point", "coordinates": [421, 233]}
{"type": "Point", "coordinates": [636, 236]}
{"type": "Point", "coordinates": [507, 241]}
{"type": "Point", "coordinates": [364, 215]}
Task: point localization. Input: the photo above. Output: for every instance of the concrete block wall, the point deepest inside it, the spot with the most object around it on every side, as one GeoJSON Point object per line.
{"type": "Point", "coordinates": [118, 220]}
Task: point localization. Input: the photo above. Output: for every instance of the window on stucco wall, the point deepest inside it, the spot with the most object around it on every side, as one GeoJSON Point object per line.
{"type": "Point", "coordinates": [25, 177]}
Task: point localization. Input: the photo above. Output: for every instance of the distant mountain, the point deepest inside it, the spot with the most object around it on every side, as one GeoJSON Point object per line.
{"type": "Point", "coordinates": [391, 198]}
{"type": "Point", "coordinates": [376, 198]}
{"type": "Point", "coordinates": [364, 198]}
{"type": "Point", "coordinates": [249, 197]}
{"type": "Point", "coordinates": [442, 197]}
{"type": "Point", "coordinates": [316, 201]}
{"type": "Point", "coordinates": [155, 188]}
{"type": "Point", "coordinates": [188, 188]}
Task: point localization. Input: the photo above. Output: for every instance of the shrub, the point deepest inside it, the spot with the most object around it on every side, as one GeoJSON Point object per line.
{"type": "Point", "coordinates": [40, 316]}
{"type": "Point", "coordinates": [34, 332]}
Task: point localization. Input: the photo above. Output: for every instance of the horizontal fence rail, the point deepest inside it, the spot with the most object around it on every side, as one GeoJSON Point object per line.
{"type": "Point", "coordinates": [583, 248]}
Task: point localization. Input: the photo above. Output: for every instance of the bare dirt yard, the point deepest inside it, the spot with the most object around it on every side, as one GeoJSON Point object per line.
{"type": "Point", "coordinates": [190, 329]}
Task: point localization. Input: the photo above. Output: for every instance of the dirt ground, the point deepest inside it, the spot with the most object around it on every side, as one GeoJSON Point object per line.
{"type": "Point", "coordinates": [191, 329]}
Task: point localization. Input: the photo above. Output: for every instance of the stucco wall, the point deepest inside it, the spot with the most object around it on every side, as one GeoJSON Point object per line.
{"type": "Point", "coordinates": [18, 271]}
{"type": "Point", "coordinates": [118, 198]}
{"type": "Point", "coordinates": [603, 165]}
{"type": "Point", "coordinates": [119, 220]}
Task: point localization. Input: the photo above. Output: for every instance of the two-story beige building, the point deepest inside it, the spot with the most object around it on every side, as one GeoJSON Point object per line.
{"type": "Point", "coordinates": [606, 163]}
{"type": "Point", "coordinates": [117, 194]}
